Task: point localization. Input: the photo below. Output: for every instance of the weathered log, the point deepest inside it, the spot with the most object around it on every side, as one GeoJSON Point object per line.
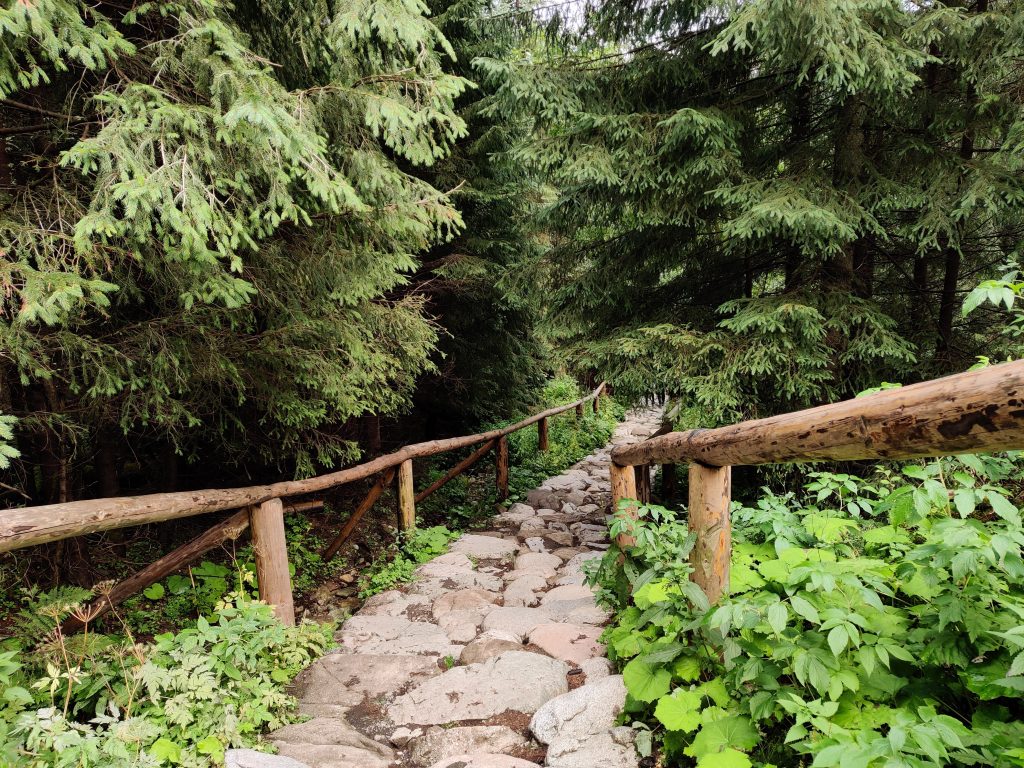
{"type": "Point", "coordinates": [37, 525]}
{"type": "Point", "coordinates": [364, 506]}
{"type": "Point", "coordinates": [501, 468]}
{"type": "Point", "coordinates": [271, 550]}
{"type": "Point", "coordinates": [977, 411]}
{"type": "Point", "coordinates": [226, 530]}
{"type": "Point", "coordinates": [710, 494]}
{"type": "Point", "coordinates": [623, 482]}
{"type": "Point", "coordinates": [406, 497]}
{"type": "Point", "coordinates": [542, 435]}
{"type": "Point", "coordinates": [457, 470]}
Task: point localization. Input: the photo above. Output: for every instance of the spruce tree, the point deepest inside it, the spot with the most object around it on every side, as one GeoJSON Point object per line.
{"type": "Point", "coordinates": [765, 205]}
{"type": "Point", "coordinates": [208, 215]}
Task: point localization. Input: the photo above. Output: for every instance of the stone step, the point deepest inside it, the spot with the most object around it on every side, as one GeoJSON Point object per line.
{"type": "Point", "coordinates": [471, 665]}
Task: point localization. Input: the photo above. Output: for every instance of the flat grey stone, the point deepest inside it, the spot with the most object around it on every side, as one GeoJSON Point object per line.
{"type": "Point", "coordinates": [543, 563]}
{"type": "Point", "coordinates": [393, 603]}
{"type": "Point", "coordinates": [519, 622]}
{"type": "Point", "coordinates": [611, 749]}
{"type": "Point", "coordinates": [585, 711]}
{"type": "Point", "coordinates": [516, 514]}
{"type": "Point", "coordinates": [483, 690]}
{"type": "Point", "coordinates": [250, 758]}
{"type": "Point", "coordinates": [463, 600]}
{"type": "Point", "coordinates": [484, 648]}
{"type": "Point", "coordinates": [484, 547]}
{"type": "Point", "coordinates": [574, 643]}
{"type": "Point", "coordinates": [326, 742]}
{"type": "Point", "coordinates": [440, 743]}
{"type": "Point", "coordinates": [395, 635]}
{"type": "Point", "coordinates": [450, 572]}
{"type": "Point", "coordinates": [346, 678]}
{"type": "Point", "coordinates": [483, 761]}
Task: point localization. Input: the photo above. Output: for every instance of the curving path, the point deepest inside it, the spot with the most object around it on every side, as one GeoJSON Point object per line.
{"type": "Point", "coordinates": [489, 659]}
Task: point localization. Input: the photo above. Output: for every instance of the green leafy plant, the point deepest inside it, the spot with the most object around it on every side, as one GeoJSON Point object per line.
{"type": "Point", "coordinates": [417, 546]}
{"type": "Point", "coordinates": [183, 699]}
{"type": "Point", "coordinates": [871, 622]}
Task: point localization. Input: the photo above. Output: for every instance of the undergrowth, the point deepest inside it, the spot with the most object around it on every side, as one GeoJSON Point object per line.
{"type": "Point", "coordinates": [871, 622]}
{"type": "Point", "coordinates": [182, 700]}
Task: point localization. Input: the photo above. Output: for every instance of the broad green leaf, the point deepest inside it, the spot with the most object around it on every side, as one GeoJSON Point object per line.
{"type": "Point", "coordinates": [727, 758]}
{"type": "Point", "coordinates": [734, 731]}
{"type": "Point", "coordinates": [777, 615]}
{"type": "Point", "coordinates": [680, 710]}
{"type": "Point", "coordinates": [837, 639]}
{"type": "Point", "coordinates": [803, 607]}
{"type": "Point", "coordinates": [154, 591]}
{"type": "Point", "coordinates": [645, 682]}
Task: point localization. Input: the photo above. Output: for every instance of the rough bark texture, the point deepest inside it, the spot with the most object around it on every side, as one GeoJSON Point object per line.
{"type": "Point", "coordinates": [976, 411]}
{"type": "Point", "coordinates": [406, 497]}
{"type": "Point", "coordinates": [710, 494]}
{"type": "Point", "coordinates": [271, 550]}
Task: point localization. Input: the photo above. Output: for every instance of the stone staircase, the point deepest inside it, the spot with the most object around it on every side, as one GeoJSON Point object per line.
{"type": "Point", "coordinates": [489, 659]}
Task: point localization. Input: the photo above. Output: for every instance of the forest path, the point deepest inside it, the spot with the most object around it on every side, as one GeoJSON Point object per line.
{"type": "Point", "coordinates": [488, 659]}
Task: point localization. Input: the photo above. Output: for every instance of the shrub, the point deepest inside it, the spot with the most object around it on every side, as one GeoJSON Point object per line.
{"type": "Point", "coordinates": [104, 700]}
{"type": "Point", "coordinates": [870, 623]}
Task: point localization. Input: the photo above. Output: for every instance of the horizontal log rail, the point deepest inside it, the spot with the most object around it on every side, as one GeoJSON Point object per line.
{"type": "Point", "coordinates": [27, 526]}
{"type": "Point", "coordinates": [259, 508]}
{"type": "Point", "coordinates": [974, 412]}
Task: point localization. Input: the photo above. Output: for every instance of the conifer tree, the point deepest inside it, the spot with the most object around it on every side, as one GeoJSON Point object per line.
{"type": "Point", "coordinates": [765, 205]}
{"type": "Point", "coordinates": [208, 214]}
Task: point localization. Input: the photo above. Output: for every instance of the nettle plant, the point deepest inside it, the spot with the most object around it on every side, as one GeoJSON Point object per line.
{"type": "Point", "coordinates": [874, 622]}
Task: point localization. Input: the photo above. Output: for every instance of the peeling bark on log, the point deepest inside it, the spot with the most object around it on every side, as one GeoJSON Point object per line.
{"type": "Point", "coordinates": [971, 412]}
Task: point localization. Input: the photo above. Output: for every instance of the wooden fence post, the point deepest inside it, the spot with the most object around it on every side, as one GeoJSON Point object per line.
{"type": "Point", "coordinates": [501, 468]}
{"type": "Point", "coordinates": [579, 411]}
{"type": "Point", "coordinates": [623, 481]}
{"type": "Point", "coordinates": [710, 495]}
{"type": "Point", "coordinates": [542, 435]}
{"type": "Point", "coordinates": [268, 542]}
{"type": "Point", "coordinates": [596, 403]}
{"type": "Point", "coordinates": [406, 497]}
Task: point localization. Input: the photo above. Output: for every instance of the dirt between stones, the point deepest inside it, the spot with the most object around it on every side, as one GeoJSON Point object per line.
{"type": "Point", "coordinates": [459, 599]}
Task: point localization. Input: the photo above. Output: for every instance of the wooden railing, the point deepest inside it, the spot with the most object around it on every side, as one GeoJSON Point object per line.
{"type": "Point", "coordinates": [975, 412]}
{"type": "Point", "coordinates": [262, 509]}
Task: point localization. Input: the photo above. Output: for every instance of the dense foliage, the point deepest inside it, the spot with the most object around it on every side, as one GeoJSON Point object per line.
{"type": "Point", "coordinates": [763, 205]}
{"type": "Point", "coordinates": [216, 224]}
{"type": "Point", "coordinates": [108, 700]}
{"type": "Point", "coordinates": [871, 622]}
